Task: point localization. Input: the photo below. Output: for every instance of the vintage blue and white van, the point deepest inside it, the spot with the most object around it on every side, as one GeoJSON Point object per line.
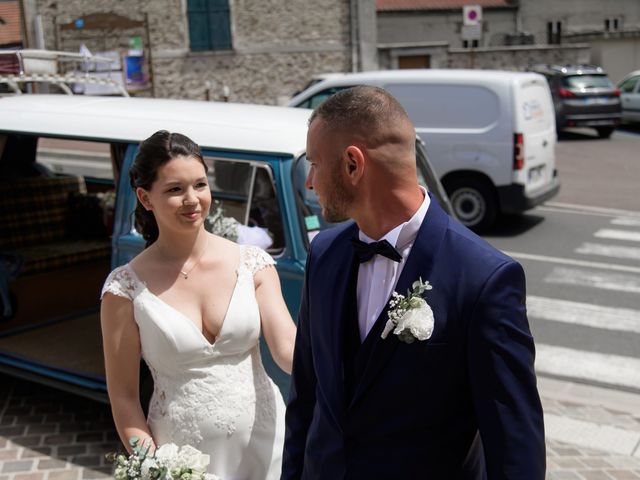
{"type": "Point", "coordinates": [66, 212]}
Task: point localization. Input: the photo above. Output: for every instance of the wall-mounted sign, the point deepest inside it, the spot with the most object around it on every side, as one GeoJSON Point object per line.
{"type": "Point", "coordinates": [471, 15]}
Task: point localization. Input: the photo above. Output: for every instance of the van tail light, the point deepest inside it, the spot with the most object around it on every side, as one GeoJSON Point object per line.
{"type": "Point", "coordinates": [564, 93]}
{"type": "Point", "coordinates": [518, 151]}
{"type": "Point", "coordinates": [616, 92]}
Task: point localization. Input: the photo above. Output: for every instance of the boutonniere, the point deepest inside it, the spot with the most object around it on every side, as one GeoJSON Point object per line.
{"type": "Point", "coordinates": [410, 317]}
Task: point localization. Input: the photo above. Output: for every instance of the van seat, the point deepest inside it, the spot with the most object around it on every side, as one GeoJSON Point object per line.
{"type": "Point", "coordinates": [35, 215]}
{"type": "Point", "coordinates": [54, 256]}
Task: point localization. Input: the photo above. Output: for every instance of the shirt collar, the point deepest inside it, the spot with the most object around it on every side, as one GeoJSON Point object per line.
{"type": "Point", "coordinates": [406, 232]}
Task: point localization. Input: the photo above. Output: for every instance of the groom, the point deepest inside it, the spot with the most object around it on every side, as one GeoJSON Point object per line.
{"type": "Point", "coordinates": [450, 392]}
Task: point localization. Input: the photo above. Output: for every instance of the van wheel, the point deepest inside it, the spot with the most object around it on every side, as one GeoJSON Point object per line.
{"type": "Point", "coordinates": [473, 202]}
{"type": "Point", "coordinates": [604, 132]}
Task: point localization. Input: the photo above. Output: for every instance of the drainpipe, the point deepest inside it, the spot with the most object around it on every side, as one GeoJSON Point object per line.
{"type": "Point", "coordinates": [353, 21]}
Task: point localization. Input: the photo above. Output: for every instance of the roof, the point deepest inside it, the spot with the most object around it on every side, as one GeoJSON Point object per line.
{"type": "Point", "coordinates": [225, 126]}
{"type": "Point", "coordinates": [10, 23]}
{"type": "Point", "coordinates": [398, 5]}
{"type": "Point", "coordinates": [569, 69]}
{"type": "Point", "coordinates": [382, 78]}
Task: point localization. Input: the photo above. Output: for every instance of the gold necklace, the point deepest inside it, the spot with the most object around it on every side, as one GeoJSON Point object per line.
{"type": "Point", "coordinates": [185, 274]}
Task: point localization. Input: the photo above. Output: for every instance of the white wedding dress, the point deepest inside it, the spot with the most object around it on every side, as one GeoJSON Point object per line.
{"type": "Point", "coordinates": [214, 397]}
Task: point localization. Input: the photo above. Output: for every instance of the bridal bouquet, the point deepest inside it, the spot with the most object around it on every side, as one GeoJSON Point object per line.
{"type": "Point", "coordinates": [168, 462]}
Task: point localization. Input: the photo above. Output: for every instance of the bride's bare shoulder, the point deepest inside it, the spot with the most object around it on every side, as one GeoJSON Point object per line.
{"type": "Point", "coordinates": [222, 247]}
{"type": "Point", "coordinates": [142, 259]}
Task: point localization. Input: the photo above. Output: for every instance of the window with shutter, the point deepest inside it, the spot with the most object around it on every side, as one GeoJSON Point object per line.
{"type": "Point", "coordinates": [209, 24]}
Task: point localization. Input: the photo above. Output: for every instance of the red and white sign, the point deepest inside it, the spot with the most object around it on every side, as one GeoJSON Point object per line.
{"type": "Point", "coordinates": [471, 15]}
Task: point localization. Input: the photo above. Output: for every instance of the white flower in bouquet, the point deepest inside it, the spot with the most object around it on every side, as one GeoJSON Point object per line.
{"type": "Point", "coordinates": [189, 457]}
{"type": "Point", "coordinates": [166, 454]}
{"type": "Point", "coordinates": [168, 462]}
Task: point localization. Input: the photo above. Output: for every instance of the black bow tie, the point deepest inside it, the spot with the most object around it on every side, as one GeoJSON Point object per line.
{"type": "Point", "coordinates": [366, 251]}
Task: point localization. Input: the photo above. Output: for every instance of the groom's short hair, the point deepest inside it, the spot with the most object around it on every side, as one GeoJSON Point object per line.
{"type": "Point", "coordinates": [363, 110]}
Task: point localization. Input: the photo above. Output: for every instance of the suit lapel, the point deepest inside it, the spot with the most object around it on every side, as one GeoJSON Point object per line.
{"type": "Point", "coordinates": [340, 275]}
{"type": "Point", "coordinates": [418, 264]}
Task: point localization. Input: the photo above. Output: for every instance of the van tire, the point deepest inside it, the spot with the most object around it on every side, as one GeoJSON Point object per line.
{"type": "Point", "coordinates": [604, 132]}
{"type": "Point", "coordinates": [473, 202]}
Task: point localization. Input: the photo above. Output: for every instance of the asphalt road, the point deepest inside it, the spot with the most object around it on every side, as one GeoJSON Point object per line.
{"type": "Point", "coordinates": [604, 173]}
{"type": "Point", "coordinates": [581, 254]}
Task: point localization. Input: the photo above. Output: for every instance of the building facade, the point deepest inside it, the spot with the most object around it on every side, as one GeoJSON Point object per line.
{"type": "Point", "coordinates": [236, 50]}
{"type": "Point", "coordinates": [611, 29]}
{"type": "Point", "coordinates": [512, 34]}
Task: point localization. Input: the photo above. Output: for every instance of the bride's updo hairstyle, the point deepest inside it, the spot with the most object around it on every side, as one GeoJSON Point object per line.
{"type": "Point", "coordinates": [154, 152]}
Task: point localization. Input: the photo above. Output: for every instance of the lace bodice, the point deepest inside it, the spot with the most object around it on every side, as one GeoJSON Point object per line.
{"type": "Point", "coordinates": [210, 396]}
{"type": "Point", "coordinates": [123, 281]}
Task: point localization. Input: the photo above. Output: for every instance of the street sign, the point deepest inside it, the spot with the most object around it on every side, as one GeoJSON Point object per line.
{"type": "Point", "coordinates": [471, 15]}
{"type": "Point", "coordinates": [471, 32]}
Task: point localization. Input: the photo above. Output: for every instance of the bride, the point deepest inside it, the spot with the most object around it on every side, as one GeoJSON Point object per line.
{"type": "Point", "coordinates": [192, 305]}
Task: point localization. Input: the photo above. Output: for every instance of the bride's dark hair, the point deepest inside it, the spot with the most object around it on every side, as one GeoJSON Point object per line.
{"type": "Point", "coordinates": [154, 152]}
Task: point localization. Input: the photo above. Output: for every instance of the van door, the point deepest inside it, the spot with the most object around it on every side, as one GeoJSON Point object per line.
{"type": "Point", "coordinates": [535, 121]}
{"type": "Point", "coordinates": [468, 141]}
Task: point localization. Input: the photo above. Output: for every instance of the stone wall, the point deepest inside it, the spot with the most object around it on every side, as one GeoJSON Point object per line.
{"type": "Point", "coordinates": [517, 58]}
{"type": "Point", "coordinates": [277, 44]}
{"type": "Point", "coordinates": [262, 78]}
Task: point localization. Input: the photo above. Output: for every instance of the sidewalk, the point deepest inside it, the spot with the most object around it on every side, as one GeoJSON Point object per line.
{"type": "Point", "coordinates": [592, 433]}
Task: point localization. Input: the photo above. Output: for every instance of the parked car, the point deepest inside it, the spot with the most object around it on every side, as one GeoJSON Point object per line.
{"type": "Point", "coordinates": [61, 233]}
{"type": "Point", "coordinates": [630, 97]}
{"type": "Point", "coordinates": [490, 134]}
{"type": "Point", "coordinates": [583, 96]}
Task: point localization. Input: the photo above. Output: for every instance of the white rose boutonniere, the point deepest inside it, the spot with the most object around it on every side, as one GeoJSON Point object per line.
{"type": "Point", "coordinates": [410, 317]}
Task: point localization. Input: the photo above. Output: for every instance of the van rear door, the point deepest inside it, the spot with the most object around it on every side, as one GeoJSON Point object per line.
{"type": "Point", "coordinates": [535, 122]}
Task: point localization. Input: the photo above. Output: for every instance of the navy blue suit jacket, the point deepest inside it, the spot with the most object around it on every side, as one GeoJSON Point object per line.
{"type": "Point", "coordinates": [461, 405]}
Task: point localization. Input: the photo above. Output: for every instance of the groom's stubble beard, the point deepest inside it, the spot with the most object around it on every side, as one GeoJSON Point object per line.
{"type": "Point", "coordinates": [338, 199]}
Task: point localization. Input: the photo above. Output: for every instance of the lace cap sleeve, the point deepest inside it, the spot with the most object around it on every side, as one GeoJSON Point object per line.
{"type": "Point", "coordinates": [255, 259]}
{"type": "Point", "coordinates": [120, 282]}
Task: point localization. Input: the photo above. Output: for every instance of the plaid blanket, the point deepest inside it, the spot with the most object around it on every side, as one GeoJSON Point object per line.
{"type": "Point", "coordinates": [34, 220]}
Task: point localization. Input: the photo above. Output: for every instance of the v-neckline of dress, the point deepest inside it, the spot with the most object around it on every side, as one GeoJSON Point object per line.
{"type": "Point", "coordinates": [184, 316]}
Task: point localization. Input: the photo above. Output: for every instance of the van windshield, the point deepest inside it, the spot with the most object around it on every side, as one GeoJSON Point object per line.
{"type": "Point", "coordinates": [311, 211]}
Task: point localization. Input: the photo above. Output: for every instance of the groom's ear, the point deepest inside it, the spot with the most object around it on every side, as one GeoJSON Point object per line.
{"type": "Point", "coordinates": [354, 163]}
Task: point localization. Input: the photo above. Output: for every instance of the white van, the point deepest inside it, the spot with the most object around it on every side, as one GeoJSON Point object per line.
{"type": "Point", "coordinates": [490, 135]}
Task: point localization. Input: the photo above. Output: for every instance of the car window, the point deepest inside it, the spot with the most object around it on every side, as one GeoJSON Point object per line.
{"type": "Point", "coordinates": [245, 191]}
{"type": "Point", "coordinates": [586, 81]}
{"type": "Point", "coordinates": [318, 98]}
{"type": "Point", "coordinates": [629, 85]}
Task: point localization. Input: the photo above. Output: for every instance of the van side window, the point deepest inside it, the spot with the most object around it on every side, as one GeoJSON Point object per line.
{"type": "Point", "coordinates": [244, 193]}
{"type": "Point", "coordinates": [447, 106]}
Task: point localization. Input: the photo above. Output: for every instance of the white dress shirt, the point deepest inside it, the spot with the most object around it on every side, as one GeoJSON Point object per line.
{"type": "Point", "coordinates": [378, 277]}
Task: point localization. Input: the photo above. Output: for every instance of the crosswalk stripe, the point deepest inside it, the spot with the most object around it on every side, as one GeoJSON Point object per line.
{"type": "Point", "coordinates": [615, 251]}
{"type": "Point", "coordinates": [592, 279]}
{"type": "Point", "coordinates": [589, 209]}
{"type": "Point", "coordinates": [565, 311]}
{"type": "Point", "coordinates": [626, 221]}
{"type": "Point", "coordinates": [604, 368]}
{"type": "Point", "coordinates": [618, 234]}
{"type": "Point", "coordinates": [573, 261]}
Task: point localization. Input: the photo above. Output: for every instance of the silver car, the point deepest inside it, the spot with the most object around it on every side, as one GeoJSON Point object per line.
{"type": "Point", "coordinates": [630, 96]}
